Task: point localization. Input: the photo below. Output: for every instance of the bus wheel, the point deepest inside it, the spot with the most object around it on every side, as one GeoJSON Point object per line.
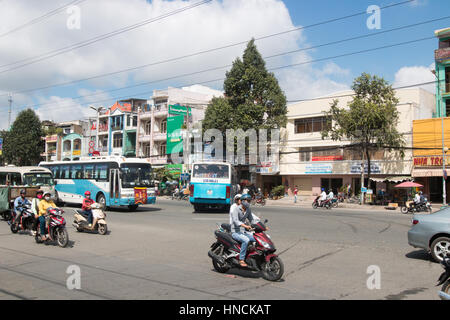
{"type": "Point", "coordinates": [133, 207]}
{"type": "Point", "coordinates": [102, 200]}
{"type": "Point", "coordinates": [197, 207]}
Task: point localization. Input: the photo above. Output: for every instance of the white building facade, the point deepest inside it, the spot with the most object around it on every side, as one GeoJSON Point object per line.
{"type": "Point", "coordinates": [311, 163]}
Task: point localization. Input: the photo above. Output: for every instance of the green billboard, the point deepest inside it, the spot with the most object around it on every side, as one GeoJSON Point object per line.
{"type": "Point", "coordinates": [179, 110]}
{"type": "Point", "coordinates": [174, 138]}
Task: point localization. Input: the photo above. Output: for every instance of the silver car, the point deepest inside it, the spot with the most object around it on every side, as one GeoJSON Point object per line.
{"type": "Point", "coordinates": [432, 233]}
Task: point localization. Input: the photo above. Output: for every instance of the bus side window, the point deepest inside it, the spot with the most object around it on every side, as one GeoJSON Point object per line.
{"type": "Point", "coordinates": [16, 179]}
{"type": "Point", "coordinates": [3, 178]}
{"type": "Point", "coordinates": [89, 172]}
{"type": "Point", "coordinates": [64, 172]}
{"type": "Point", "coordinates": [102, 171]}
{"type": "Point", "coordinates": [76, 172]}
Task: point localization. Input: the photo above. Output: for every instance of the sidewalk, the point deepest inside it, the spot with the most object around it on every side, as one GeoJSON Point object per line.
{"type": "Point", "coordinates": [289, 202]}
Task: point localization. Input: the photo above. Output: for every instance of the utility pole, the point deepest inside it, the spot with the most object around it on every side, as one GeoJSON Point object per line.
{"type": "Point", "coordinates": [9, 113]}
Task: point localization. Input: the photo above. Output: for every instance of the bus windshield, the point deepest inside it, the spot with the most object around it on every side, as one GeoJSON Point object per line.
{"type": "Point", "coordinates": [211, 171]}
{"type": "Point", "coordinates": [38, 179]}
{"type": "Point", "coordinates": [136, 175]}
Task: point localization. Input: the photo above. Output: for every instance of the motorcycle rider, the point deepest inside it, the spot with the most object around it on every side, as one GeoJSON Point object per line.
{"type": "Point", "coordinates": [238, 215]}
{"type": "Point", "coordinates": [330, 195]}
{"type": "Point", "coordinates": [45, 204]}
{"type": "Point", "coordinates": [35, 209]}
{"type": "Point", "coordinates": [18, 203]}
{"type": "Point", "coordinates": [416, 202]}
{"type": "Point", "coordinates": [86, 207]}
{"type": "Point", "coordinates": [323, 197]}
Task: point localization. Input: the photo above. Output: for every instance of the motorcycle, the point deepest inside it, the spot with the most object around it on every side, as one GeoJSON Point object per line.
{"type": "Point", "coordinates": [55, 224]}
{"type": "Point", "coordinates": [26, 219]}
{"type": "Point", "coordinates": [260, 255]}
{"type": "Point", "coordinates": [324, 204]}
{"type": "Point", "coordinates": [259, 200]}
{"type": "Point", "coordinates": [421, 207]}
{"type": "Point", "coordinates": [334, 202]}
{"type": "Point", "coordinates": [180, 196]}
{"type": "Point", "coordinates": [444, 279]}
{"type": "Point", "coordinates": [80, 221]}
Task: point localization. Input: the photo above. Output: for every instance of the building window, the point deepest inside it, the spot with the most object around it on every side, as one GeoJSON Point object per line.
{"type": "Point", "coordinates": [308, 125]}
{"type": "Point", "coordinates": [162, 149]}
{"type": "Point", "coordinates": [147, 151]}
{"type": "Point", "coordinates": [305, 154]}
{"type": "Point", "coordinates": [163, 126]}
{"type": "Point", "coordinates": [134, 121]}
{"type": "Point", "coordinates": [447, 79]}
{"type": "Point", "coordinates": [148, 128]}
{"type": "Point", "coordinates": [447, 107]}
{"type": "Point", "coordinates": [117, 140]}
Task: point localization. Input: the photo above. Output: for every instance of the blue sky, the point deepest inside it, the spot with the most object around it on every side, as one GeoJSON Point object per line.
{"type": "Point", "coordinates": [385, 62]}
{"type": "Point", "coordinates": [212, 25]}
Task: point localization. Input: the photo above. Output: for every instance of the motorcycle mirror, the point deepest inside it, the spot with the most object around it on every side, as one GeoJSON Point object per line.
{"type": "Point", "coordinates": [265, 221]}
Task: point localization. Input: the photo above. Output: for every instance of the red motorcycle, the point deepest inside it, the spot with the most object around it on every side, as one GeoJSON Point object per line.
{"type": "Point", "coordinates": [260, 254]}
{"type": "Point", "coordinates": [324, 204]}
{"type": "Point", "coordinates": [55, 226]}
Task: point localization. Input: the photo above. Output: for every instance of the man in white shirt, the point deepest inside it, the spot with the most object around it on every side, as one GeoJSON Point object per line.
{"type": "Point", "coordinates": [323, 196]}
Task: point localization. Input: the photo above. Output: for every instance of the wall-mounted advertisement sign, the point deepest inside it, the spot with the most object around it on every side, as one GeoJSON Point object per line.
{"type": "Point", "coordinates": [179, 110]}
{"type": "Point", "coordinates": [174, 134]}
{"type": "Point", "coordinates": [319, 168]}
{"type": "Point", "coordinates": [356, 168]}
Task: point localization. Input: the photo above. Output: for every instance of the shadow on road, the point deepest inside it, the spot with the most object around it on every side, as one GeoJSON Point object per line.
{"type": "Point", "coordinates": [419, 255]}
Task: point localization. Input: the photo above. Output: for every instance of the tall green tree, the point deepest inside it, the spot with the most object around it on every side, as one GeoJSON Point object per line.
{"type": "Point", "coordinates": [370, 121]}
{"type": "Point", "coordinates": [23, 144]}
{"type": "Point", "coordinates": [253, 97]}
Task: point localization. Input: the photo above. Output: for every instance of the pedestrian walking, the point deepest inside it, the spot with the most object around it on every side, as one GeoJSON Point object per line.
{"type": "Point", "coordinates": [295, 194]}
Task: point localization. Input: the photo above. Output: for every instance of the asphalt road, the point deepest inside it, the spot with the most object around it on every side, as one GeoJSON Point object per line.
{"type": "Point", "coordinates": [160, 252]}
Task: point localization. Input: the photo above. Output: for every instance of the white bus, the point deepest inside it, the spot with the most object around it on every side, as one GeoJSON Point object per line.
{"type": "Point", "coordinates": [27, 177]}
{"type": "Point", "coordinates": [112, 181]}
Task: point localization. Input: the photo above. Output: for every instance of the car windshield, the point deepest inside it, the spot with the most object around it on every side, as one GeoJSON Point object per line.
{"type": "Point", "coordinates": [211, 171]}
{"type": "Point", "coordinates": [38, 179]}
{"type": "Point", "coordinates": [136, 175]}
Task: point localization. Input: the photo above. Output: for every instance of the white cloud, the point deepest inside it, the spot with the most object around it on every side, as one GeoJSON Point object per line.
{"type": "Point", "coordinates": [414, 75]}
{"type": "Point", "coordinates": [208, 26]}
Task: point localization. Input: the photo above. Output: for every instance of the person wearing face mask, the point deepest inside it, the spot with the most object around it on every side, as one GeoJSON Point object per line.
{"type": "Point", "coordinates": [44, 204]}
{"type": "Point", "coordinates": [35, 209]}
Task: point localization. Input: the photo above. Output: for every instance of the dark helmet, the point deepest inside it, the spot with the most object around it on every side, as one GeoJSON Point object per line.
{"type": "Point", "coordinates": [23, 192]}
{"type": "Point", "coordinates": [323, 189]}
{"type": "Point", "coordinates": [246, 197]}
{"type": "Point", "coordinates": [39, 192]}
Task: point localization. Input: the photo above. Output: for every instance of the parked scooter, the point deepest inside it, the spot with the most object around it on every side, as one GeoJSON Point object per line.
{"type": "Point", "coordinates": [321, 204]}
{"type": "Point", "coordinates": [259, 200]}
{"type": "Point", "coordinates": [81, 223]}
{"type": "Point", "coordinates": [55, 226]}
{"type": "Point", "coordinates": [260, 254]}
{"type": "Point", "coordinates": [421, 207]}
{"type": "Point", "coordinates": [26, 219]}
{"type": "Point", "coordinates": [444, 279]}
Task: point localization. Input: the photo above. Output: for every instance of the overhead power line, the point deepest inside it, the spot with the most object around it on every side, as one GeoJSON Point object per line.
{"type": "Point", "coordinates": [54, 53]}
{"type": "Point", "coordinates": [240, 43]}
{"type": "Point", "coordinates": [40, 18]}
{"type": "Point", "coordinates": [227, 66]}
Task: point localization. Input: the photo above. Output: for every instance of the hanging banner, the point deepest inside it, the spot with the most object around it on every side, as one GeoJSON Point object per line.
{"type": "Point", "coordinates": [179, 110]}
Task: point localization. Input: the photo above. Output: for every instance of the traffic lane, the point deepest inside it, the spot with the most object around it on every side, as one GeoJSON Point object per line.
{"type": "Point", "coordinates": [187, 270]}
{"type": "Point", "coordinates": [366, 239]}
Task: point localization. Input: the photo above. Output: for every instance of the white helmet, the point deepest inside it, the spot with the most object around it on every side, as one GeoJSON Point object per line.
{"type": "Point", "coordinates": [237, 197]}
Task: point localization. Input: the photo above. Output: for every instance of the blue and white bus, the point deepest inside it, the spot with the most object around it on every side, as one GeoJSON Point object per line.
{"type": "Point", "coordinates": [112, 181]}
{"type": "Point", "coordinates": [213, 184]}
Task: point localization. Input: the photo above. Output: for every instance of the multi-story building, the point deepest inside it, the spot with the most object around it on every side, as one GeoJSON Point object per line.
{"type": "Point", "coordinates": [312, 163]}
{"type": "Point", "coordinates": [152, 140]}
{"type": "Point", "coordinates": [432, 136]}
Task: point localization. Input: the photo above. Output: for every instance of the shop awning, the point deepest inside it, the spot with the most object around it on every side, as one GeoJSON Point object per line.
{"type": "Point", "coordinates": [427, 172]}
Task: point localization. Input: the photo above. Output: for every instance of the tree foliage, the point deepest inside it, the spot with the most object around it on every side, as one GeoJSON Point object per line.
{"type": "Point", "coordinates": [370, 121]}
{"type": "Point", "coordinates": [253, 98]}
{"type": "Point", "coordinates": [23, 144]}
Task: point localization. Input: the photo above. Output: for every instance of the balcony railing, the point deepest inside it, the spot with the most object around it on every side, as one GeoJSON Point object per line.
{"type": "Point", "coordinates": [442, 54]}
{"type": "Point", "coordinates": [103, 127]}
